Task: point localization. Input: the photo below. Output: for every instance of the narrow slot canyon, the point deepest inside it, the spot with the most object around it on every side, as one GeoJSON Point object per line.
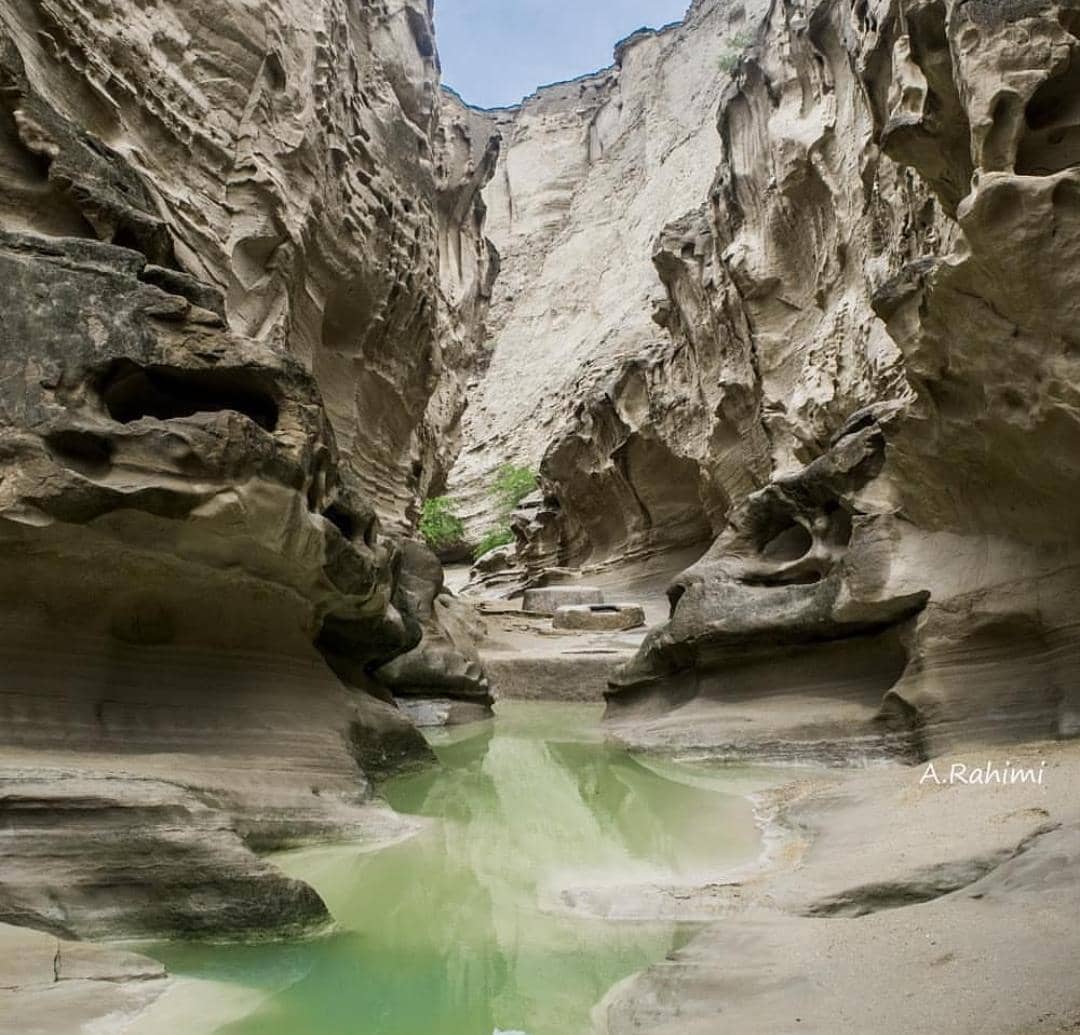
{"type": "Point", "coordinates": [513, 522]}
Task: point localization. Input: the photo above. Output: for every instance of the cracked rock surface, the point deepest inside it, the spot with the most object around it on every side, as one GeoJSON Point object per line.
{"type": "Point", "coordinates": [52, 985]}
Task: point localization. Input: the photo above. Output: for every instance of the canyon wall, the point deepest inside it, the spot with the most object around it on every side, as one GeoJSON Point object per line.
{"type": "Point", "coordinates": [243, 258]}
{"type": "Point", "coordinates": [896, 224]}
{"type": "Point", "coordinates": [859, 384]}
{"type": "Point", "coordinates": [580, 376]}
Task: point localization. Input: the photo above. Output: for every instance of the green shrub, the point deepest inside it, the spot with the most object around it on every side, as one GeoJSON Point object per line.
{"type": "Point", "coordinates": [493, 537]}
{"type": "Point", "coordinates": [439, 525]}
{"type": "Point", "coordinates": [512, 484]}
{"type": "Point", "coordinates": [729, 59]}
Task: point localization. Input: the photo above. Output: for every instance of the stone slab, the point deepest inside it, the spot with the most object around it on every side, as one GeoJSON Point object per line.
{"type": "Point", "coordinates": [600, 617]}
{"type": "Point", "coordinates": [548, 599]}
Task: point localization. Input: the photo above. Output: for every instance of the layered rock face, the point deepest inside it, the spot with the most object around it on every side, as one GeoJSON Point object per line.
{"type": "Point", "coordinates": [886, 259]}
{"type": "Point", "coordinates": [227, 234]}
{"type": "Point", "coordinates": [857, 383]}
{"type": "Point", "coordinates": [580, 377]}
{"type": "Point", "coordinates": [440, 681]}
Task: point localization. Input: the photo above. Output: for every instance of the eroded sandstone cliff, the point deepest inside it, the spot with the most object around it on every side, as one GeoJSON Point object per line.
{"type": "Point", "coordinates": [580, 377]}
{"type": "Point", "coordinates": [895, 224]}
{"type": "Point", "coordinates": [242, 258]}
{"type": "Point", "coordinates": [859, 384]}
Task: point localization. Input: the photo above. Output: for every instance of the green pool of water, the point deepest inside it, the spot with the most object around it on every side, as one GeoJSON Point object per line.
{"type": "Point", "coordinates": [460, 930]}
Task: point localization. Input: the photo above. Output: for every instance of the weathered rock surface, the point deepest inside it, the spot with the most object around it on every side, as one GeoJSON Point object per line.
{"type": "Point", "coordinates": [292, 157]}
{"type": "Point", "coordinates": [612, 617]}
{"type": "Point", "coordinates": [547, 600]}
{"type": "Point", "coordinates": [104, 856]}
{"type": "Point", "coordinates": [854, 386]}
{"type": "Point", "coordinates": [445, 665]}
{"type": "Point", "coordinates": [182, 559]}
{"type": "Point", "coordinates": [53, 986]}
{"type": "Point", "coordinates": [580, 377]}
{"type": "Point", "coordinates": [243, 280]}
{"type": "Point", "coordinates": [894, 905]}
{"type": "Point", "coordinates": [863, 393]}
{"type": "Point", "coordinates": [900, 306]}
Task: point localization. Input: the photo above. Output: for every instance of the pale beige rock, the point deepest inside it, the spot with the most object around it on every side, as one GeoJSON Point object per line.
{"type": "Point", "coordinates": [549, 675]}
{"type": "Point", "coordinates": [612, 617]}
{"type": "Point", "coordinates": [580, 376]}
{"type": "Point", "coordinates": [54, 987]}
{"type": "Point", "coordinates": [893, 222]}
{"type": "Point", "coordinates": [915, 288]}
{"type": "Point", "coordinates": [546, 600]}
{"type": "Point", "coordinates": [244, 274]}
{"type": "Point", "coordinates": [891, 904]}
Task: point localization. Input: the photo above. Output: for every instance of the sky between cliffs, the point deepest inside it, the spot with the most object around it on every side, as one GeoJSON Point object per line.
{"type": "Point", "coordinates": [494, 52]}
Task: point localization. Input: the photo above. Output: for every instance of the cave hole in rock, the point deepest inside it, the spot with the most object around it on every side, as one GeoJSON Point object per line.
{"type": "Point", "coordinates": [350, 526]}
{"type": "Point", "coordinates": [1051, 139]}
{"type": "Point", "coordinates": [126, 237]}
{"type": "Point", "coordinates": [341, 519]}
{"type": "Point", "coordinates": [346, 317]}
{"type": "Point", "coordinates": [839, 525]}
{"type": "Point", "coordinates": [799, 577]}
{"type": "Point", "coordinates": [274, 71]}
{"type": "Point", "coordinates": [774, 532]}
{"type": "Point", "coordinates": [666, 488]}
{"type": "Point", "coordinates": [789, 544]}
{"type": "Point", "coordinates": [859, 668]}
{"type": "Point", "coordinates": [130, 392]}
{"type": "Point", "coordinates": [83, 451]}
{"type": "Point", "coordinates": [316, 490]}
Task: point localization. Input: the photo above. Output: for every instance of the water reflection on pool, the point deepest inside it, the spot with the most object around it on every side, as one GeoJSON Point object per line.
{"type": "Point", "coordinates": [454, 931]}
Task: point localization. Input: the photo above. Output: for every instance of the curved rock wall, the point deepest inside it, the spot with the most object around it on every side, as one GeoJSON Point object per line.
{"type": "Point", "coordinates": [292, 156]}
{"type": "Point", "coordinates": [243, 261]}
{"type": "Point", "coordinates": [857, 380]}
{"type": "Point", "coordinates": [580, 377]}
{"type": "Point", "coordinates": [894, 218]}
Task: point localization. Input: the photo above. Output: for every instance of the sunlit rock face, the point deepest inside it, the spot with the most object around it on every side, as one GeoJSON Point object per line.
{"type": "Point", "coordinates": [888, 255]}
{"type": "Point", "coordinates": [582, 383]}
{"type": "Point", "coordinates": [241, 252]}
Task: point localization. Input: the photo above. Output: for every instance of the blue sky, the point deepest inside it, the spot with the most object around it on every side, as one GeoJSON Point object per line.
{"type": "Point", "coordinates": [494, 52]}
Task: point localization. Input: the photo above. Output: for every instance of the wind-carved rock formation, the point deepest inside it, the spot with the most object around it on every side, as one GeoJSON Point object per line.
{"type": "Point", "coordinates": [581, 382]}
{"type": "Point", "coordinates": [887, 261]}
{"type": "Point", "coordinates": [229, 343]}
{"type": "Point", "coordinates": [467, 150]}
{"type": "Point", "coordinates": [440, 681]}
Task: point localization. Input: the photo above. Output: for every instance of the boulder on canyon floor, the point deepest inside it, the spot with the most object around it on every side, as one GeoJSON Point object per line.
{"type": "Point", "coordinates": [444, 669]}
